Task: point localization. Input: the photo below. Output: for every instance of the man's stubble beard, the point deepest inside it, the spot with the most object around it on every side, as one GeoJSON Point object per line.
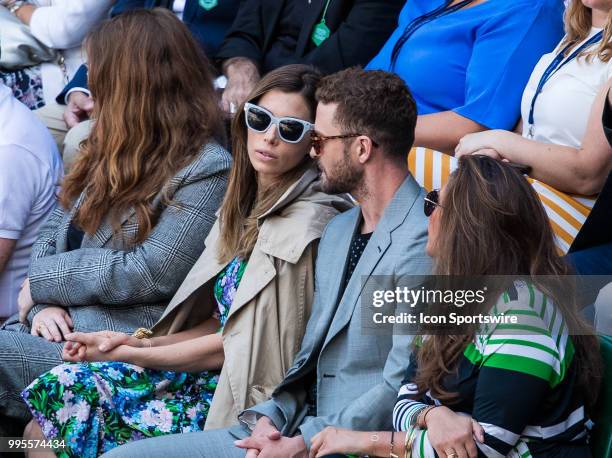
{"type": "Point", "coordinates": [347, 178]}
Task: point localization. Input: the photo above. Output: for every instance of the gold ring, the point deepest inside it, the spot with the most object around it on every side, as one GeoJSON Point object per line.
{"type": "Point", "coordinates": [40, 327]}
{"type": "Point", "coordinates": [142, 333]}
{"type": "Point", "coordinates": [451, 455]}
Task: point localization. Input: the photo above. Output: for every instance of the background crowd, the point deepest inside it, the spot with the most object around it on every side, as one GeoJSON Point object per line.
{"type": "Point", "coordinates": [195, 196]}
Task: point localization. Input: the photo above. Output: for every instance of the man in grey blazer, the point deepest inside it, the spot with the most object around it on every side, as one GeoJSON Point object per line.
{"type": "Point", "coordinates": [342, 376]}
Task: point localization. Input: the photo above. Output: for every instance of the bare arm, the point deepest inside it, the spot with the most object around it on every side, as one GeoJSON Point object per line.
{"type": "Point", "coordinates": [575, 170]}
{"type": "Point", "coordinates": [108, 341]}
{"type": "Point", "coordinates": [64, 24]}
{"type": "Point", "coordinates": [207, 327]}
{"type": "Point", "coordinates": [6, 250]}
{"type": "Point", "coordinates": [25, 13]}
{"type": "Point", "coordinates": [198, 349]}
{"type": "Point", "coordinates": [375, 443]}
{"type": "Point", "coordinates": [442, 131]}
{"type": "Point", "coordinates": [446, 430]}
{"type": "Point", "coordinates": [193, 355]}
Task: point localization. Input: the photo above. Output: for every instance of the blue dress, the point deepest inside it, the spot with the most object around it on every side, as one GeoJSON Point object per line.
{"type": "Point", "coordinates": [475, 61]}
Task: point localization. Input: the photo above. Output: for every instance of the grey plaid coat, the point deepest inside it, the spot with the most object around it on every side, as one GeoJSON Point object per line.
{"type": "Point", "coordinates": [106, 284]}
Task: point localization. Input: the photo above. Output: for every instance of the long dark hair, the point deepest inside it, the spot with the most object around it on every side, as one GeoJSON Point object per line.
{"type": "Point", "coordinates": [493, 223]}
{"type": "Point", "coordinates": [155, 107]}
{"type": "Point", "coordinates": [244, 200]}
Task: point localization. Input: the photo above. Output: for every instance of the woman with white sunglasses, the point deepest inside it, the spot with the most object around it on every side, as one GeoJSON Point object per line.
{"type": "Point", "coordinates": [236, 322]}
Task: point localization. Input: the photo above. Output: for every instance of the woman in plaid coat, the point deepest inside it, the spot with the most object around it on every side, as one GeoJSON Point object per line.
{"type": "Point", "coordinates": [137, 206]}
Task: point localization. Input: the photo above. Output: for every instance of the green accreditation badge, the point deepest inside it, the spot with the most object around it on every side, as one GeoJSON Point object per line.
{"type": "Point", "coordinates": [208, 4]}
{"type": "Point", "coordinates": [320, 33]}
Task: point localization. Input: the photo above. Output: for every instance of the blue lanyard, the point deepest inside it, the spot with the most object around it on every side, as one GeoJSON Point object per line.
{"type": "Point", "coordinates": [420, 21]}
{"type": "Point", "coordinates": [555, 66]}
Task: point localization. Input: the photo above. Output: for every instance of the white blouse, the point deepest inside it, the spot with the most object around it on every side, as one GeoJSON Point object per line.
{"type": "Point", "coordinates": [62, 24]}
{"type": "Point", "coordinates": [562, 109]}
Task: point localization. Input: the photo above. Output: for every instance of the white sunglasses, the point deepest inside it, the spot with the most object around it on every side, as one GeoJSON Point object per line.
{"type": "Point", "coordinates": [290, 130]}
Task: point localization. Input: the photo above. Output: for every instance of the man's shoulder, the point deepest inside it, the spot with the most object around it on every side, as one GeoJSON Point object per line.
{"type": "Point", "coordinates": [340, 224]}
{"type": "Point", "coordinates": [15, 158]}
{"type": "Point", "coordinates": [342, 220]}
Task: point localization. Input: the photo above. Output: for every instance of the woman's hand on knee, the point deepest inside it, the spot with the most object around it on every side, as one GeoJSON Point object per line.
{"type": "Point", "coordinates": [52, 324]}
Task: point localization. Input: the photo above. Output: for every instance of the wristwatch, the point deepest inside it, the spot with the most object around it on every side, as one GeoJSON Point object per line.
{"type": "Point", "coordinates": [13, 7]}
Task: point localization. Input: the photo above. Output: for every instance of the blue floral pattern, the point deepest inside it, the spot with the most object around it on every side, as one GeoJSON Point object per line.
{"type": "Point", "coordinates": [95, 407]}
{"type": "Point", "coordinates": [226, 287]}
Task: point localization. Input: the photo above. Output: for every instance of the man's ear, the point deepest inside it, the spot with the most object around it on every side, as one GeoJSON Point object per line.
{"type": "Point", "coordinates": [364, 149]}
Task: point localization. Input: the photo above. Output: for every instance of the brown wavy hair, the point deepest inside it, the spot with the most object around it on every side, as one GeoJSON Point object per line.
{"type": "Point", "coordinates": [155, 108]}
{"type": "Point", "coordinates": [578, 22]}
{"type": "Point", "coordinates": [493, 223]}
{"type": "Point", "coordinates": [245, 201]}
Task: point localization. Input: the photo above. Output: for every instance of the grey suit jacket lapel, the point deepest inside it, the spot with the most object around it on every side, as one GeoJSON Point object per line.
{"type": "Point", "coordinates": [336, 264]}
{"type": "Point", "coordinates": [395, 214]}
{"type": "Point", "coordinates": [105, 232]}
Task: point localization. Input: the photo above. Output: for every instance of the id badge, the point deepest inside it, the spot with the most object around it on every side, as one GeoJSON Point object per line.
{"type": "Point", "coordinates": [320, 33]}
{"type": "Point", "coordinates": [208, 4]}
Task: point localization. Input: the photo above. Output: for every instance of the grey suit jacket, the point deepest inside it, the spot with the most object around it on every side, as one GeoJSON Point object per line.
{"type": "Point", "coordinates": [108, 284]}
{"type": "Point", "coordinates": [357, 375]}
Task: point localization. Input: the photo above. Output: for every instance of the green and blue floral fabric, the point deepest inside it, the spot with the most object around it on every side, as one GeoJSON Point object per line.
{"type": "Point", "coordinates": [95, 407]}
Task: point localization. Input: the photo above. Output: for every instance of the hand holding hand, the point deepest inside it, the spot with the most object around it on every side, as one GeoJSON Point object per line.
{"type": "Point", "coordinates": [265, 429]}
{"type": "Point", "coordinates": [86, 346]}
{"type": "Point", "coordinates": [79, 108]}
{"type": "Point", "coordinates": [275, 446]}
{"type": "Point", "coordinates": [109, 340]}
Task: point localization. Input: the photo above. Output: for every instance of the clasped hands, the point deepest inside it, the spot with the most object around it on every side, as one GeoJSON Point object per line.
{"type": "Point", "coordinates": [99, 346]}
{"type": "Point", "coordinates": [267, 442]}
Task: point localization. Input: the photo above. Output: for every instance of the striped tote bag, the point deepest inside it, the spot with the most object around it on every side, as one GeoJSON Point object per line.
{"type": "Point", "coordinates": [567, 212]}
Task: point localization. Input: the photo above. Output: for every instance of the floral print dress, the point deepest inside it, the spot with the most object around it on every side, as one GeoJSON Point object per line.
{"type": "Point", "coordinates": [95, 407]}
{"type": "Point", "coordinates": [26, 85]}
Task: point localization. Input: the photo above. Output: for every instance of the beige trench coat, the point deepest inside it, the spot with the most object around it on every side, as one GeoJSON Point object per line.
{"type": "Point", "coordinates": [267, 319]}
